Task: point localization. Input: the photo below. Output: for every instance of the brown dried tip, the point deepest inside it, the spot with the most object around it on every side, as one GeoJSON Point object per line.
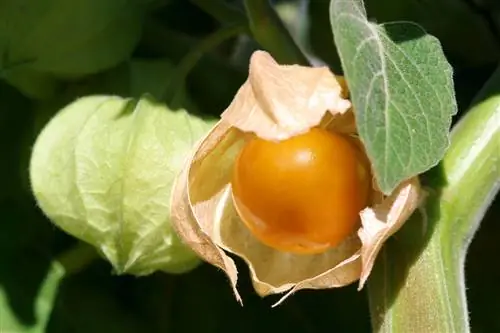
{"type": "Point", "coordinates": [278, 102]}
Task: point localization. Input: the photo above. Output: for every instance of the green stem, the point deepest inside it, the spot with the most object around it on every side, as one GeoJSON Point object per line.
{"type": "Point", "coordinates": [77, 258]}
{"type": "Point", "coordinates": [221, 11]}
{"type": "Point", "coordinates": [417, 284]}
{"type": "Point", "coordinates": [270, 32]}
{"type": "Point", "coordinates": [172, 94]}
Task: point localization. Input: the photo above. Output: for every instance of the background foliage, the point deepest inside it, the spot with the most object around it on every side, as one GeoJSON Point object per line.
{"type": "Point", "coordinates": [40, 289]}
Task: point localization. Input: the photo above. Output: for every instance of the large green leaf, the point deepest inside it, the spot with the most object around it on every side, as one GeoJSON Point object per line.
{"type": "Point", "coordinates": [43, 39]}
{"type": "Point", "coordinates": [402, 90]}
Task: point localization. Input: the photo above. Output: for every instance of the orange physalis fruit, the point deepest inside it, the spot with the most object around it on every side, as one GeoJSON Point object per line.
{"type": "Point", "coordinates": [303, 194]}
{"type": "Point", "coordinates": [282, 181]}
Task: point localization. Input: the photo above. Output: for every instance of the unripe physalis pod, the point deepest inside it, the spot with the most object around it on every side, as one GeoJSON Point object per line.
{"type": "Point", "coordinates": [283, 181]}
{"type": "Point", "coordinates": [103, 169]}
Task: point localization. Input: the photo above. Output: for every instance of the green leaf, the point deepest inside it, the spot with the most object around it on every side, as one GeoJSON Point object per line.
{"type": "Point", "coordinates": [103, 170]}
{"type": "Point", "coordinates": [64, 44]}
{"type": "Point", "coordinates": [401, 88]}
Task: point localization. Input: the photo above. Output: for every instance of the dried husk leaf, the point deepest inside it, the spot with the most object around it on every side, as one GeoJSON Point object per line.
{"type": "Point", "coordinates": [275, 103]}
{"type": "Point", "coordinates": [189, 215]}
{"type": "Point", "coordinates": [385, 219]}
{"type": "Point", "coordinates": [273, 271]}
{"type": "Point", "coordinates": [281, 101]}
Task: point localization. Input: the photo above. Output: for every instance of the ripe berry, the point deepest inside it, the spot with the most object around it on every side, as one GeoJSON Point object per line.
{"type": "Point", "coordinates": [303, 194]}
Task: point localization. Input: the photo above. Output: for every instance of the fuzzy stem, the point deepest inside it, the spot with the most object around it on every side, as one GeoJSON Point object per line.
{"type": "Point", "coordinates": [77, 258]}
{"type": "Point", "coordinates": [418, 281]}
{"type": "Point", "coordinates": [270, 32]}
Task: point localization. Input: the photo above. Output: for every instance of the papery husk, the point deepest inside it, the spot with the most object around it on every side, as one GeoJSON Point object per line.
{"type": "Point", "coordinates": [191, 213]}
{"type": "Point", "coordinates": [280, 101]}
{"type": "Point", "coordinates": [383, 220]}
{"type": "Point", "coordinates": [275, 103]}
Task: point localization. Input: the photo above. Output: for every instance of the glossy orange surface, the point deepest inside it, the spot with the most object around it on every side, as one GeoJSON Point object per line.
{"type": "Point", "coordinates": [301, 195]}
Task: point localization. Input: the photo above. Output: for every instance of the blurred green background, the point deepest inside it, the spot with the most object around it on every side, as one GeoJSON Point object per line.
{"type": "Point", "coordinates": [35, 297]}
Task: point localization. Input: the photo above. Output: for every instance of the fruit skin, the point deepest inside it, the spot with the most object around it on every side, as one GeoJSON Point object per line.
{"type": "Point", "coordinates": [304, 194]}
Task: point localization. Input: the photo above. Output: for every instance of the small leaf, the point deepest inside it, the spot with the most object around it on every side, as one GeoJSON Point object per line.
{"type": "Point", "coordinates": [401, 88]}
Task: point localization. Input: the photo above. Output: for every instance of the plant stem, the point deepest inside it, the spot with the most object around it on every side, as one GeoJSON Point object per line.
{"type": "Point", "coordinates": [190, 60]}
{"type": "Point", "coordinates": [417, 284]}
{"type": "Point", "coordinates": [77, 258]}
{"type": "Point", "coordinates": [221, 11]}
{"type": "Point", "coordinates": [270, 32]}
